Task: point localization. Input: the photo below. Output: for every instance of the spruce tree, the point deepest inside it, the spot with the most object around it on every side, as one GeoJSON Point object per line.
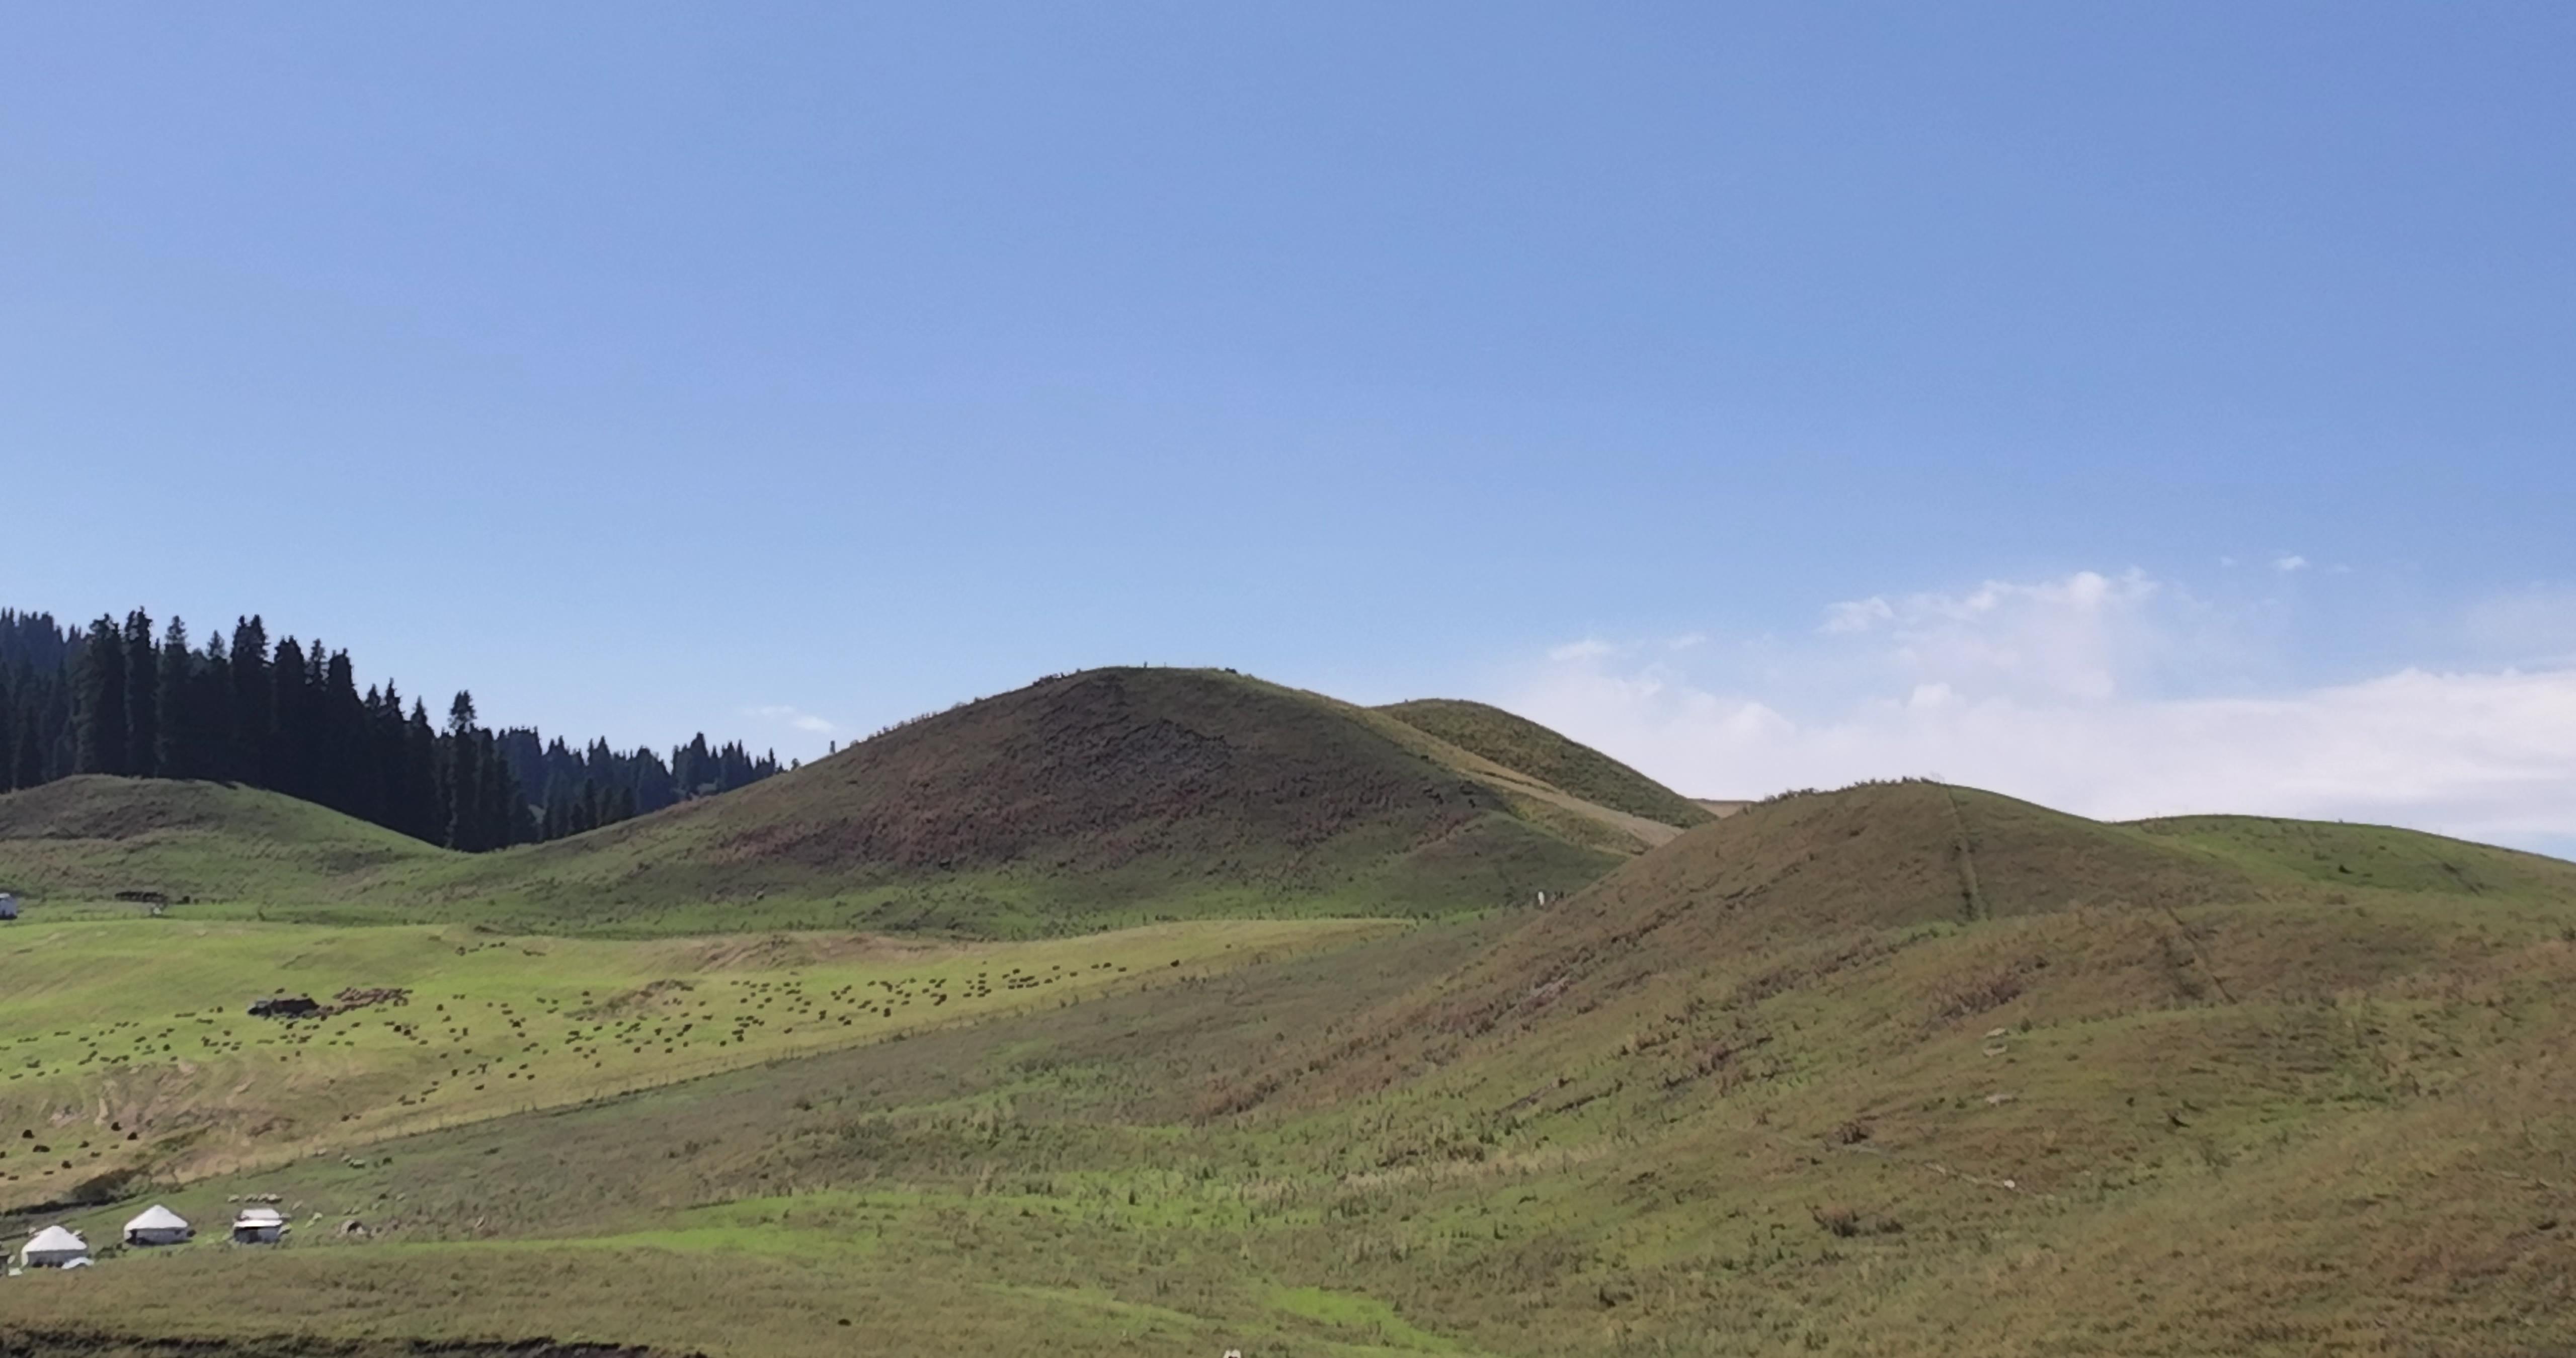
{"type": "Point", "coordinates": [423, 819]}
{"type": "Point", "coordinates": [29, 770]}
{"type": "Point", "coordinates": [142, 697]}
{"type": "Point", "coordinates": [464, 777]}
{"type": "Point", "coordinates": [343, 741]}
{"type": "Point", "coordinates": [505, 820]}
{"type": "Point", "coordinates": [98, 708]}
{"type": "Point", "coordinates": [288, 737]}
{"type": "Point", "coordinates": [694, 769]}
{"type": "Point", "coordinates": [250, 724]}
{"type": "Point", "coordinates": [175, 707]}
{"type": "Point", "coordinates": [211, 709]}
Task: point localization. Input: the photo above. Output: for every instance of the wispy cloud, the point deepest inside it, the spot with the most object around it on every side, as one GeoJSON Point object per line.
{"type": "Point", "coordinates": [2288, 562]}
{"type": "Point", "coordinates": [796, 717]}
{"type": "Point", "coordinates": [2103, 694]}
{"type": "Point", "coordinates": [1590, 648]}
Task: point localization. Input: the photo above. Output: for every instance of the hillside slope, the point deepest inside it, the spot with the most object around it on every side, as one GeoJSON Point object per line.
{"type": "Point", "coordinates": [1781, 1090]}
{"type": "Point", "coordinates": [1085, 801]}
{"type": "Point", "coordinates": [1106, 797]}
{"type": "Point", "coordinates": [1831, 880]}
{"type": "Point", "coordinates": [1902, 1071]}
{"type": "Point", "coordinates": [93, 837]}
{"type": "Point", "coordinates": [1521, 744]}
{"type": "Point", "coordinates": [1925, 1027]}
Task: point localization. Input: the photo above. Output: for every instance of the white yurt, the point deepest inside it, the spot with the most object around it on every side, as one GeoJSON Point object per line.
{"type": "Point", "coordinates": [259, 1226]}
{"type": "Point", "coordinates": [159, 1226]}
{"type": "Point", "coordinates": [54, 1247]}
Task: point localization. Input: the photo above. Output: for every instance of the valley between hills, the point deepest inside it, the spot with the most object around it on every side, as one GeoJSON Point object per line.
{"type": "Point", "coordinates": [1160, 1011]}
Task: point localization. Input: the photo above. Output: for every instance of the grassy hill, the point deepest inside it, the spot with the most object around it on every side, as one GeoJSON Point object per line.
{"type": "Point", "coordinates": [126, 1049]}
{"type": "Point", "coordinates": [89, 838]}
{"type": "Point", "coordinates": [1521, 744]}
{"type": "Point", "coordinates": [1825, 882]}
{"type": "Point", "coordinates": [1899, 1071]}
{"type": "Point", "coordinates": [1789, 1085]}
{"type": "Point", "coordinates": [1107, 797]}
{"type": "Point", "coordinates": [1097, 800]}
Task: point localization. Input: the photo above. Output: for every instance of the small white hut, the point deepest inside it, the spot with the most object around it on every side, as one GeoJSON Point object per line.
{"type": "Point", "coordinates": [8, 906]}
{"type": "Point", "coordinates": [259, 1226]}
{"type": "Point", "coordinates": [54, 1247]}
{"type": "Point", "coordinates": [159, 1226]}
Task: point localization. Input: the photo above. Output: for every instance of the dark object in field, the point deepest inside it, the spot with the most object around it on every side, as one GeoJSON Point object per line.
{"type": "Point", "coordinates": [285, 1006]}
{"type": "Point", "coordinates": [354, 998]}
{"type": "Point", "coordinates": [144, 897]}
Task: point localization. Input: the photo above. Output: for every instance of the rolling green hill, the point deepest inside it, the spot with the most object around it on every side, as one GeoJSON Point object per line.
{"type": "Point", "coordinates": [1107, 797]}
{"type": "Point", "coordinates": [1899, 1071]}
{"type": "Point", "coordinates": [1788, 1085]}
{"type": "Point", "coordinates": [1822, 879]}
{"type": "Point", "coordinates": [86, 839]}
{"type": "Point", "coordinates": [1087, 801]}
{"type": "Point", "coordinates": [127, 1040]}
{"type": "Point", "coordinates": [1521, 744]}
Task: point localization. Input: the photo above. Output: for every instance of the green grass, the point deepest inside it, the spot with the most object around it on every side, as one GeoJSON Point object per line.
{"type": "Point", "coordinates": [139, 1026]}
{"type": "Point", "coordinates": [2339, 856]}
{"type": "Point", "coordinates": [1894, 1072]}
{"type": "Point", "coordinates": [1523, 745]}
{"type": "Point", "coordinates": [1099, 800]}
{"type": "Point", "coordinates": [76, 843]}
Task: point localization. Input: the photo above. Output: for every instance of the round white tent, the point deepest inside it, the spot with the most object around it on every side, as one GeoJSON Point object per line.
{"type": "Point", "coordinates": [259, 1226]}
{"type": "Point", "coordinates": [159, 1226]}
{"type": "Point", "coordinates": [54, 1247]}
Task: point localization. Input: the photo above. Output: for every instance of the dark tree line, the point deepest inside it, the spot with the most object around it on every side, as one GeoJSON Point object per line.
{"type": "Point", "coordinates": [585, 789]}
{"type": "Point", "coordinates": [116, 699]}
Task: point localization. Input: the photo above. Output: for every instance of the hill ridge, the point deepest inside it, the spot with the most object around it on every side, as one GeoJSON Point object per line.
{"type": "Point", "coordinates": [1516, 743]}
{"type": "Point", "coordinates": [1083, 801]}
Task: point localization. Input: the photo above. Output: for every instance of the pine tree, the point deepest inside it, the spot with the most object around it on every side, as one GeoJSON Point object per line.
{"type": "Point", "coordinates": [694, 769]}
{"type": "Point", "coordinates": [422, 816]}
{"type": "Point", "coordinates": [251, 721]}
{"type": "Point", "coordinates": [210, 707]}
{"type": "Point", "coordinates": [283, 760]}
{"type": "Point", "coordinates": [29, 770]}
{"type": "Point", "coordinates": [343, 744]}
{"type": "Point", "coordinates": [98, 713]}
{"type": "Point", "coordinates": [174, 707]}
{"type": "Point", "coordinates": [464, 778]}
{"type": "Point", "coordinates": [142, 697]}
{"type": "Point", "coordinates": [505, 820]}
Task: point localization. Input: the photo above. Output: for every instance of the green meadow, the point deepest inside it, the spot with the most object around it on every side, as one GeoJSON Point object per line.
{"type": "Point", "coordinates": [1896, 1071]}
{"type": "Point", "coordinates": [127, 1049]}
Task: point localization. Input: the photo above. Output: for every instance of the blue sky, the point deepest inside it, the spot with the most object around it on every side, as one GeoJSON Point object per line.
{"type": "Point", "coordinates": [2085, 400]}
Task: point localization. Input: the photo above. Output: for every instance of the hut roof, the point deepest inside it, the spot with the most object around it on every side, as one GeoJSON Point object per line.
{"type": "Point", "coordinates": [158, 1218]}
{"type": "Point", "coordinates": [259, 1216]}
{"type": "Point", "coordinates": [54, 1238]}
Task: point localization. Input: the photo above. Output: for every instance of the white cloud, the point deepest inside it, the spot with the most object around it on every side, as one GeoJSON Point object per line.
{"type": "Point", "coordinates": [2071, 638]}
{"type": "Point", "coordinates": [1590, 648]}
{"type": "Point", "coordinates": [2098, 694]}
{"type": "Point", "coordinates": [1859, 615]}
{"type": "Point", "coordinates": [795, 717]}
{"type": "Point", "coordinates": [2289, 561]}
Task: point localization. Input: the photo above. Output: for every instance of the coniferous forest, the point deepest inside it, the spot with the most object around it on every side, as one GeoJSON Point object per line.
{"type": "Point", "coordinates": [117, 698]}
